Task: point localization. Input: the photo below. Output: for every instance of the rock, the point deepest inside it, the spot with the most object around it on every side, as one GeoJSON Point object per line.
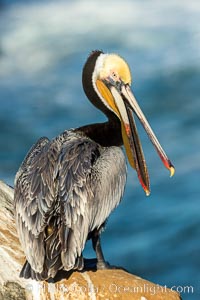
{"type": "Point", "coordinates": [110, 285]}
{"type": "Point", "coordinates": [87, 285]}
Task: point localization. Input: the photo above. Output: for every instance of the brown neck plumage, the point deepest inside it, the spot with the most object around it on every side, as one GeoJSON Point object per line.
{"type": "Point", "coordinates": [108, 133]}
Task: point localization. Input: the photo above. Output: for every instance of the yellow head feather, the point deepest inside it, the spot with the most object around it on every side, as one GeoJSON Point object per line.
{"type": "Point", "coordinates": [114, 63]}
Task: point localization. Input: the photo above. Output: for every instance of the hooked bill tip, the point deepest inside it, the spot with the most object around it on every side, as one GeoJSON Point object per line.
{"type": "Point", "coordinates": [169, 166]}
{"type": "Point", "coordinates": [172, 171]}
{"type": "Point", "coordinates": [147, 192]}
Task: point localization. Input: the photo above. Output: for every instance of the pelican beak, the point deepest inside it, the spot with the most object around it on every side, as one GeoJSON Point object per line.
{"type": "Point", "coordinates": [126, 104]}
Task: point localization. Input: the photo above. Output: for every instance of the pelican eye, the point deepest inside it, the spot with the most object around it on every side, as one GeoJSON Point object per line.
{"type": "Point", "coordinates": [114, 75]}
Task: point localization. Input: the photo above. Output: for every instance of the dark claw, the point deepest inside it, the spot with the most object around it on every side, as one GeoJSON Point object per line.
{"type": "Point", "coordinates": [102, 265]}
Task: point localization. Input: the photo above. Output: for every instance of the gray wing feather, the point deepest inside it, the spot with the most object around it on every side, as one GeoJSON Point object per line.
{"type": "Point", "coordinates": [55, 180]}
{"type": "Point", "coordinates": [34, 199]}
{"type": "Point", "coordinates": [75, 194]}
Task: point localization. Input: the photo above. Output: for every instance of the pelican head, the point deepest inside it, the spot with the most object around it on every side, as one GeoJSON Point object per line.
{"type": "Point", "coordinates": [111, 81]}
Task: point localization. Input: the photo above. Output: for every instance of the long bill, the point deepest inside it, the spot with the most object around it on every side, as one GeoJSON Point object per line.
{"type": "Point", "coordinates": [128, 95]}
{"type": "Point", "coordinates": [126, 104]}
{"type": "Point", "coordinates": [131, 140]}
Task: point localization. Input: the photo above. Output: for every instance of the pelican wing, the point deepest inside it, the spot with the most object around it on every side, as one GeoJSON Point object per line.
{"type": "Point", "coordinates": [52, 196]}
{"type": "Point", "coordinates": [76, 194]}
{"type": "Point", "coordinates": [35, 195]}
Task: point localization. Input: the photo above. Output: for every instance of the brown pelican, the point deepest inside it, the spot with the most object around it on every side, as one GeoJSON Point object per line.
{"type": "Point", "coordinates": [66, 188]}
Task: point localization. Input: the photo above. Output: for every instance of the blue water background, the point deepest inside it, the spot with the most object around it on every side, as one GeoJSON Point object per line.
{"type": "Point", "coordinates": [43, 46]}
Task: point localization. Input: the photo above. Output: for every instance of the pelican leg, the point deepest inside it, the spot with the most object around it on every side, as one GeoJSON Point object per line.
{"type": "Point", "coordinates": [101, 263]}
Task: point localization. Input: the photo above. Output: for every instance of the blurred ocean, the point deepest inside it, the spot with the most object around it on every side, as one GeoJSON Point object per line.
{"type": "Point", "coordinates": [43, 46]}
